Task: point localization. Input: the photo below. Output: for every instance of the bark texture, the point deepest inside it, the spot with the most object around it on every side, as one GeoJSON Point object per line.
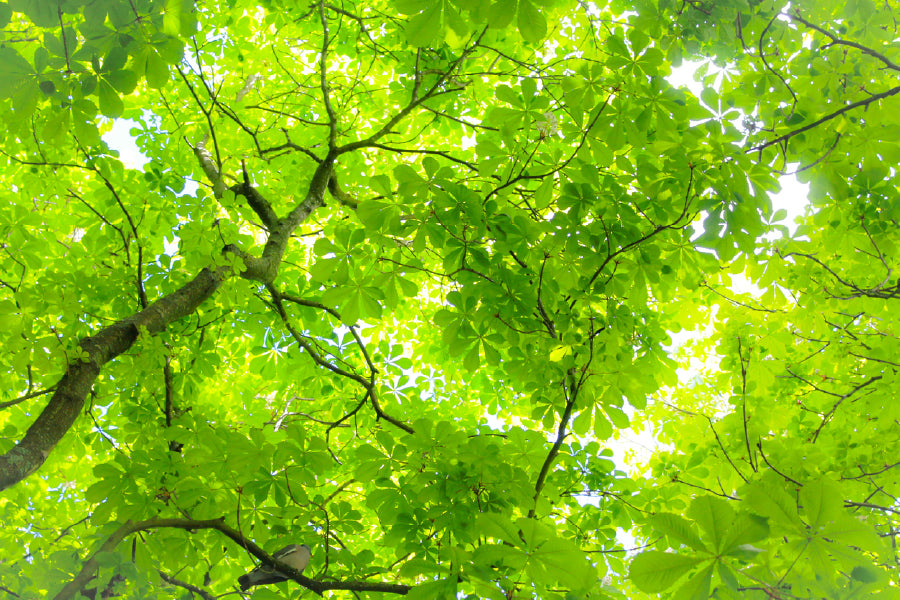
{"type": "Point", "coordinates": [67, 401]}
{"type": "Point", "coordinates": [72, 389]}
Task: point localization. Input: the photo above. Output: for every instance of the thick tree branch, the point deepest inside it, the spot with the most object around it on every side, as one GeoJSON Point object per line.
{"type": "Point", "coordinates": [70, 392]}
{"type": "Point", "coordinates": [90, 566]}
{"type": "Point", "coordinates": [257, 202]}
{"type": "Point", "coordinates": [204, 157]}
{"type": "Point", "coordinates": [323, 81]}
{"type": "Point", "coordinates": [67, 401]}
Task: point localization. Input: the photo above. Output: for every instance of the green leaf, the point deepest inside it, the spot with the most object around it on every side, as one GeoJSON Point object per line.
{"type": "Point", "coordinates": [821, 502]}
{"type": "Point", "coordinates": [564, 561]}
{"type": "Point", "coordinates": [852, 531]}
{"type": "Point", "coordinates": [110, 103]}
{"type": "Point", "coordinates": [445, 588]}
{"type": "Point", "coordinates": [710, 97]}
{"type": "Point", "coordinates": [544, 194]}
{"type": "Point", "coordinates": [655, 571]}
{"type": "Point", "coordinates": [771, 500]}
{"type": "Point", "coordinates": [697, 587]}
{"type": "Point", "coordinates": [411, 7]}
{"type": "Point", "coordinates": [124, 81]}
{"type": "Point", "coordinates": [43, 13]}
{"type": "Point", "coordinates": [14, 71]}
{"type": "Point", "coordinates": [617, 416]}
{"type": "Point", "coordinates": [864, 574]}
{"type": "Point", "coordinates": [157, 71]}
{"type": "Point", "coordinates": [493, 556]}
{"type": "Point", "coordinates": [558, 353]}
{"type": "Point", "coordinates": [617, 45]}
{"type": "Point", "coordinates": [172, 17]}
{"type": "Point", "coordinates": [714, 515]}
{"type": "Point", "coordinates": [404, 173]}
{"type": "Point", "coordinates": [425, 28]}
{"type": "Point", "coordinates": [677, 528]}
{"type": "Point", "coordinates": [499, 527]}
{"type": "Point", "coordinates": [372, 213]}
{"type": "Point", "coordinates": [5, 14]}
{"type": "Point", "coordinates": [506, 94]}
{"type": "Point", "coordinates": [745, 529]}
{"type": "Point", "coordinates": [532, 24]}
{"type": "Point", "coordinates": [728, 576]}
{"type": "Point", "coordinates": [56, 127]}
{"type": "Point", "coordinates": [115, 60]}
{"type": "Point", "coordinates": [501, 13]}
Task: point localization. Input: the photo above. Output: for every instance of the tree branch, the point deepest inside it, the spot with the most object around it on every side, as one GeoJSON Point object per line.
{"type": "Point", "coordinates": [66, 403]}
{"type": "Point", "coordinates": [70, 392]}
{"type": "Point", "coordinates": [28, 396]}
{"type": "Point", "coordinates": [90, 567]}
{"type": "Point", "coordinates": [414, 103]}
{"type": "Point", "coordinates": [189, 587]}
{"type": "Point", "coordinates": [256, 201]}
{"type": "Point", "coordinates": [826, 118]}
{"type": "Point", "coordinates": [658, 229]}
{"type": "Point", "coordinates": [561, 433]}
{"type": "Point", "coordinates": [367, 384]}
{"type": "Point", "coordinates": [323, 80]}
{"type": "Point", "coordinates": [795, 16]}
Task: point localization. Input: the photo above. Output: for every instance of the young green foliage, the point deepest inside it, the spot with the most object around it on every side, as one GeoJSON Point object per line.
{"type": "Point", "coordinates": [394, 279]}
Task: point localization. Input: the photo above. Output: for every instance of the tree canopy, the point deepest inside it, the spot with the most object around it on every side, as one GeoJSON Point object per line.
{"type": "Point", "coordinates": [398, 276]}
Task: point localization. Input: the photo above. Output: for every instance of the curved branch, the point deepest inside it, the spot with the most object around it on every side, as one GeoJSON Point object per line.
{"type": "Point", "coordinates": [416, 101]}
{"type": "Point", "coordinates": [367, 384]}
{"type": "Point", "coordinates": [193, 589]}
{"type": "Point", "coordinates": [466, 164]}
{"type": "Point", "coordinates": [795, 16]}
{"type": "Point", "coordinates": [67, 401]}
{"type": "Point", "coordinates": [653, 232]}
{"type": "Point", "coordinates": [762, 57]}
{"type": "Point", "coordinates": [571, 390]}
{"type": "Point", "coordinates": [90, 566]}
{"type": "Point", "coordinates": [864, 102]}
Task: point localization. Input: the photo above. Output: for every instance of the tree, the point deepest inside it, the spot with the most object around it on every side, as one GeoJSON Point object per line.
{"type": "Point", "coordinates": [396, 274]}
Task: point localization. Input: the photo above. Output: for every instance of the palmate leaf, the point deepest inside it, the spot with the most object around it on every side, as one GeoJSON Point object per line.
{"type": "Point", "coordinates": [15, 71]}
{"type": "Point", "coordinates": [679, 529]}
{"type": "Point", "coordinates": [655, 571]}
{"type": "Point", "coordinates": [745, 529]}
{"type": "Point", "coordinates": [425, 28]}
{"type": "Point", "coordinates": [532, 24]}
{"type": "Point", "coordinates": [697, 587]}
{"type": "Point", "coordinates": [456, 296]}
{"type": "Point", "coordinates": [715, 516]}
{"type": "Point", "coordinates": [172, 17]}
{"type": "Point", "coordinates": [769, 499]}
